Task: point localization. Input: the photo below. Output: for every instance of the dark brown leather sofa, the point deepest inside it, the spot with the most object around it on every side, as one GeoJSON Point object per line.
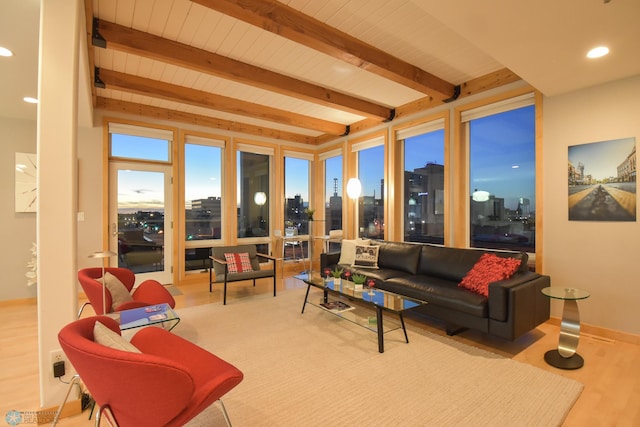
{"type": "Point", "coordinates": [431, 273]}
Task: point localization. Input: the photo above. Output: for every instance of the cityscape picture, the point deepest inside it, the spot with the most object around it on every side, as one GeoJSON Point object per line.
{"type": "Point", "coordinates": [602, 181]}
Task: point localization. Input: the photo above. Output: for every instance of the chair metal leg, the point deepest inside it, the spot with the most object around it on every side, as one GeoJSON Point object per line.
{"type": "Point", "coordinates": [82, 308]}
{"type": "Point", "coordinates": [109, 414]}
{"type": "Point", "coordinates": [73, 381]}
{"type": "Point", "coordinates": [224, 413]}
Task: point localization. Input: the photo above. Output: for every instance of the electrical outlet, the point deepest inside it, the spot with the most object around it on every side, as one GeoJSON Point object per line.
{"type": "Point", "coordinates": [57, 356]}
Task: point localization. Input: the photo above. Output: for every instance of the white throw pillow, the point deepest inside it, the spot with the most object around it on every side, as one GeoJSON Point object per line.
{"type": "Point", "coordinates": [108, 338]}
{"type": "Point", "coordinates": [348, 251]}
{"type": "Point", "coordinates": [119, 292]}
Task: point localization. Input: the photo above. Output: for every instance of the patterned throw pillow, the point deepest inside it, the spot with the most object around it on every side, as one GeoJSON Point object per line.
{"type": "Point", "coordinates": [238, 262]}
{"type": "Point", "coordinates": [348, 250]}
{"type": "Point", "coordinates": [366, 257]}
{"type": "Point", "coordinates": [489, 268]}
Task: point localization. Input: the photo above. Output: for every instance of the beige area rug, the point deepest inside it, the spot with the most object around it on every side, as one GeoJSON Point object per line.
{"type": "Point", "coordinates": [173, 290]}
{"type": "Point", "coordinates": [314, 369]}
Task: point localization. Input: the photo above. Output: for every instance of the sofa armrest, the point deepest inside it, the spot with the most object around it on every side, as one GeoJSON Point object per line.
{"type": "Point", "coordinates": [328, 260]}
{"type": "Point", "coordinates": [519, 301]}
{"type": "Point", "coordinates": [499, 294]}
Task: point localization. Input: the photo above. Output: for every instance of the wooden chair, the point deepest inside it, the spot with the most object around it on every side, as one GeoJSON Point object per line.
{"type": "Point", "coordinates": [221, 267]}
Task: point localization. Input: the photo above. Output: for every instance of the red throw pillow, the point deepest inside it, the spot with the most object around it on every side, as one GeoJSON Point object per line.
{"type": "Point", "coordinates": [238, 262]}
{"type": "Point", "coordinates": [489, 268]}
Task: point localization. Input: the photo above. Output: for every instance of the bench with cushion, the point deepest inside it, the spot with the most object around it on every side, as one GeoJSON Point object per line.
{"type": "Point", "coordinates": [237, 263]}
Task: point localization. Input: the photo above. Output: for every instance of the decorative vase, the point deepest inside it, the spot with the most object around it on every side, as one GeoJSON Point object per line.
{"type": "Point", "coordinates": [357, 286]}
{"type": "Point", "coordinates": [337, 281]}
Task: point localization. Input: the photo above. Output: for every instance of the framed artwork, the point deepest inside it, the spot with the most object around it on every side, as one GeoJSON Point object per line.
{"type": "Point", "coordinates": [602, 181]}
{"type": "Point", "coordinates": [26, 186]}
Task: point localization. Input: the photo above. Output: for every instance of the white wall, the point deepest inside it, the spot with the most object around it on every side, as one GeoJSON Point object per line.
{"type": "Point", "coordinates": [89, 194]}
{"type": "Point", "coordinates": [601, 257]}
{"type": "Point", "coordinates": [17, 229]}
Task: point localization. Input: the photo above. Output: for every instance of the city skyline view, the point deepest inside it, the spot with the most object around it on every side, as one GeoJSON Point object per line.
{"type": "Point", "coordinates": [511, 149]}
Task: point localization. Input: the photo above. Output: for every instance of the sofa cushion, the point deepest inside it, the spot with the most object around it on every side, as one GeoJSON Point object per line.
{"type": "Point", "coordinates": [455, 263]}
{"type": "Point", "coordinates": [437, 291]}
{"type": "Point", "coordinates": [398, 256]}
{"type": "Point", "coordinates": [348, 250]}
{"type": "Point", "coordinates": [366, 256]}
{"type": "Point", "coordinates": [489, 268]}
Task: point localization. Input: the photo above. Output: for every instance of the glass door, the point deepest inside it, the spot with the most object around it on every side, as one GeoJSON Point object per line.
{"type": "Point", "coordinates": [140, 219]}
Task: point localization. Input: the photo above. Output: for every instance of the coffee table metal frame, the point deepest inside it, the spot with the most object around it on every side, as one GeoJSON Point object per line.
{"type": "Point", "coordinates": [381, 300]}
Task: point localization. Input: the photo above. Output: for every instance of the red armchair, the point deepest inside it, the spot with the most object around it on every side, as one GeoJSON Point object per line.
{"type": "Point", "coordinates": [170, 382]}
{"type": "Point", "coordinates": [150, 292]}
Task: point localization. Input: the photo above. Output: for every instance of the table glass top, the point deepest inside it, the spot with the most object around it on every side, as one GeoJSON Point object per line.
{"type": "Point", "coordinates": [566, 293]}
{"type": "Point", "coordinates": [144, 316]}
{"type": "Point", "coordinates": [388, 300]}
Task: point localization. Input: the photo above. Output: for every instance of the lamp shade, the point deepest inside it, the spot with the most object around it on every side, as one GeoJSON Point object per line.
{"type": "Point", "coordinates": [480, 196]}
{"type": "Point", "coordinates": [260, 198]}
{"type": "Point", "coordinates": [354, 188]}
{"type": "Point", "coordinates": [102, 254]}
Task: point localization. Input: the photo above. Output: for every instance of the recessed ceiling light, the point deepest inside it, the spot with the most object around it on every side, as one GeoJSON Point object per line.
{"type": "Point", "coordinates": [30, 100]}
{"type": "Point", "coordinates": [597, 52]}
{"type": "Point", "coordinates": [5, 52]}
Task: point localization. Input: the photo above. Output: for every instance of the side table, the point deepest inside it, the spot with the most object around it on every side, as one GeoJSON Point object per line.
{"type": "Point", "coordinates": [565, 356]}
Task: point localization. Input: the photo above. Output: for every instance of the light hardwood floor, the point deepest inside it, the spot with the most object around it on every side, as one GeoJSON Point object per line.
{"type": "Point", "coordinates": [611, 375]}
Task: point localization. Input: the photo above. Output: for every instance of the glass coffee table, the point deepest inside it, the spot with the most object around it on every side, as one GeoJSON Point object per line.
{"type": "Point", "coordinates": [381, 301]}
{"type": "Point", "coordinates": [160, 314]}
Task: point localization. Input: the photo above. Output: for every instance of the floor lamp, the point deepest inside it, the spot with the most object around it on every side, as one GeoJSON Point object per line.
{"type": "Point", "coordinates": [103, 254]}
{"type": "Point", "coordinates": [354, 188]}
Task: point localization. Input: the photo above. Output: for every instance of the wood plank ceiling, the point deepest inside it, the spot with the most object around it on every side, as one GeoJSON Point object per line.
{"type": "Point", "coordinates": [298, 70]}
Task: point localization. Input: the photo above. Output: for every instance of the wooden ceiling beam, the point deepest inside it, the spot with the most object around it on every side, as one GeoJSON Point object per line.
{"type": "Point", "coordinates": [125, 107]}
{"type": "Point", "coordinates": [480, 84]}
{"type": "Point", "coordinates": [283, 20]}
{"type": "Point", "coordinates": [175, 93]}
{"type": "Point", "coordinates": [147, 45]}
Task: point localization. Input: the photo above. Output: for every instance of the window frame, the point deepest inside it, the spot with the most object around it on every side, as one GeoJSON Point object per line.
{"type": "Point", "coordinates": [460, 161]}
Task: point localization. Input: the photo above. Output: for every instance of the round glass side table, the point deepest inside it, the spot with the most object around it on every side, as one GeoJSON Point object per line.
{"type": "Point", "coordinates": [565, 356]}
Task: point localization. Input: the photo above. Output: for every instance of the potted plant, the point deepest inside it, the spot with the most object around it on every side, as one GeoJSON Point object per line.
{"type": "Point", "coordinates": [337, 275]}
{"type": "Point", "coordinates": [358, 280]}
{"type": "Point", "coordinates": [309, 213]}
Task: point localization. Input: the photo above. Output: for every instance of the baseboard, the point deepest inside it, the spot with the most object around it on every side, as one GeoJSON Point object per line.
{"type": "Point", "coordinates": [601, 332]}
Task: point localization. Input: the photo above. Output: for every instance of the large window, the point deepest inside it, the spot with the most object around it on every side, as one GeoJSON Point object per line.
{"type": "Point", "coordinates": [202, 198]}
{"type": "Point", "coordinates": [296, 194]}
{"type": "Point", "coordinates": [502, 176]}
{"type": "Point", "coordinates": [254, 195]}
{"type": "Point", "coordinates": [140, 199]}
{"type": "Point", "coordinates": [333, 193]}
{"type": "Point", "coordinates": [371, 201]}
{"type": "Point", "coordinates": [423, 182]}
